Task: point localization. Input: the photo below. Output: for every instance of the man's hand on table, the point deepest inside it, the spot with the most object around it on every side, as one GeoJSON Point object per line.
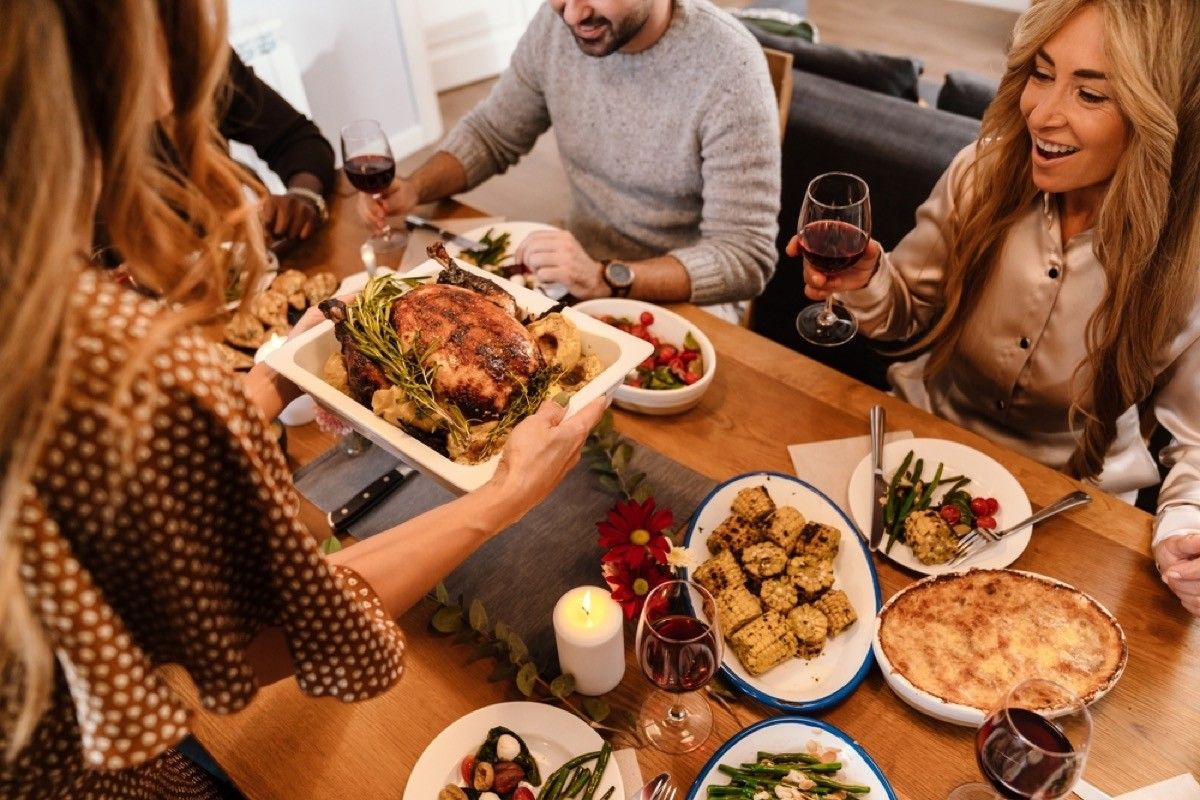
{"type": "Point", "coordinates": [558, 257]}
{"type": "Point", "coordinates": [1178, 559]}
{"type": "Point", "coordinates": [288, 216]}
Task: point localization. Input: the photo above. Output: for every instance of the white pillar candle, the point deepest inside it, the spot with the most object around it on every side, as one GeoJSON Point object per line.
{"type": "Point", "coordinates": [588, 630]}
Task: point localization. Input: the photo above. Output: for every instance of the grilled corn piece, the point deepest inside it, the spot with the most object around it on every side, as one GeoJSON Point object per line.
{"type": "Point", "coordinates": [719, 573]}
{"type": "Point", "coordinates": [764, 559]}
{"type": "Point", "coordinates": [929, 536]}
{"type": "Point", "coordinates": [763, 643]}
{"type": "Point", "coordinates": [819, 540]}
{"type": "Point", "coordinates": [754, 504]}
{"type": "Point", "coordinates": [811, 575]}
{"type": "Point", "coordinates": [785, 526]}
{"type": "Point", "coordinates": [811, 627]}
{"type": "Point", "coordinates": [736, 606]}
{"type": "Point", "coordinates": [835, 605]}
{"type": "Point", "coordinates": [778, 594]}
{"type": "Point", "coordinates": [735, 533]}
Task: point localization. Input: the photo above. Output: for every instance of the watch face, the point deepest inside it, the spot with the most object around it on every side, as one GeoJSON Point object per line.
{"type": "Point", "coordinates": [618, 274]}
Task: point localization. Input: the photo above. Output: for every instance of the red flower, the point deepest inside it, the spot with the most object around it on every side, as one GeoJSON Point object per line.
{"type": "Point", "coordinates": [632, 531]}
{"type": "Point", "coordinates": [631, 585]}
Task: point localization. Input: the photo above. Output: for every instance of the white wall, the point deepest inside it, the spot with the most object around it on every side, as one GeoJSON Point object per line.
{"type": "Point", "coordinates": [1011, 5]}
{"type": "Point", "coordinates": [362, 58]}
{"type": "Point", "coordinates": [469, 40]}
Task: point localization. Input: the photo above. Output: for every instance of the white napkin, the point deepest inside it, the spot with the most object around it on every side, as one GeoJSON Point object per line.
{"type": "Point", "coordinates": [1181, 787]}
{"type": "Point", "coordinates": [828, 465]}
{"type": "Point", "coordinates": [631, 773]}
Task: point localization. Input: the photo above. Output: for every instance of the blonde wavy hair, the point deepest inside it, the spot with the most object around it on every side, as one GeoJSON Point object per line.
{"type": "Point", "coordinates": [82, 136]}
{"type": "Point", "coordinates": [1147, 233]}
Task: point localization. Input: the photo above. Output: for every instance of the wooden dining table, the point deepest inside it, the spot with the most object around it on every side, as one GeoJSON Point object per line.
{"type": "Point", "coordinates": [764, 396]}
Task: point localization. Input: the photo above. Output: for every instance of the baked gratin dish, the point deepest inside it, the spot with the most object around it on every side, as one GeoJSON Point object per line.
{"type": "Point", "coordinates": [967, 638]}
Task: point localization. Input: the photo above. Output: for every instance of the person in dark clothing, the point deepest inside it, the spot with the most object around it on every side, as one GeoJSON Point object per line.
{"type": "Point", "coordinates": [290, 143]}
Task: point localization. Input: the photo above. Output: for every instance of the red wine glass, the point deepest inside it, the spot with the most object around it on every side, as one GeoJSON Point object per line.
{"type": "Point", "coordinates": [834, 229]}
{"type": "Point", "coordinates": [1033, 746]}
{"type": "Point", "coordinates": [679, 647]}
{"type": "Point", "coordinates": [370, 167]}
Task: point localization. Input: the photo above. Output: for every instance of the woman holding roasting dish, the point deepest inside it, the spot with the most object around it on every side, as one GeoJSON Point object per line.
{"type": "Point", "coordinates": [1053, 273]}
{"type": "Point", "coordinates": [147, 516]}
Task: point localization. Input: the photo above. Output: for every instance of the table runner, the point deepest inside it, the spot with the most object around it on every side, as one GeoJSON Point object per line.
{"type": "Point", "coordinates": [520, 574]}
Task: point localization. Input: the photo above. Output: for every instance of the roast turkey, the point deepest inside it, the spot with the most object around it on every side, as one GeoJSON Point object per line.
{"type": "Point", "coordinates": [467, 326]}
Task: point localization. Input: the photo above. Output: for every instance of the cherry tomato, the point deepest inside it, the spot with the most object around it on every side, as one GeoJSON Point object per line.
{"type": "Point", "coordinates": [690, 378]}
{"type": "Point", "coordinates": [647, 364]}
{"type": "Point", "coordinates": [689, 356]}
{"type": "Point", "coordinates": [986, 521]}
{"type": "Point", "coordinates": [467, 768]}
{"type": "Point", "coordinates": [979, 506]}
{"type": "Point", "coordinates": [993, 505]}
{"type": "Point", "coordinates": [634, 381]}
{"type": "Point", "coordinates": [523, 792]}
{"type": "Point", "coordinates": [950, 514]}
{"type": "Point", "coordinates": [678, 369]}
{"type": "Point", "coordinates": [646, 318]}
{"type": "Point", "coordinates": [665, 353]}
{"type": "Point", "coordinates": [638, 331]}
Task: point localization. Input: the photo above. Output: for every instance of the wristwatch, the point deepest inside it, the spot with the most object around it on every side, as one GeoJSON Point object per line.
{"type": "Point", "coordinates": [618, 276]}
{"type": "Point", "coordinates": [312, 197]}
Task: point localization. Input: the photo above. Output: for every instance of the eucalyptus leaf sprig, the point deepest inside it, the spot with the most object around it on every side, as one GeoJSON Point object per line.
{"type": "Point", "coordinates": [610, 455]}
{"type": "Point", "coordinates": [470, 624]}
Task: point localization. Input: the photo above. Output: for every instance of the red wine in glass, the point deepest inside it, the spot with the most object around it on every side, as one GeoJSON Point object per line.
{"type": "Point", "coordinates": [834, 229]}
{"type": "Point", "coordinates": [832, 245]}
{"type": "Point", "coordinates": [679, 653]}
{"type": "Point", "coordinates": [370, 173]}
{"type": "Point", "coordinates": [1023, 755]}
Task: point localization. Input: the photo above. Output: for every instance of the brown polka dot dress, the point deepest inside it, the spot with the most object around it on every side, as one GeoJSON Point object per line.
{"type": "Point", "coordinates": [173, 541]}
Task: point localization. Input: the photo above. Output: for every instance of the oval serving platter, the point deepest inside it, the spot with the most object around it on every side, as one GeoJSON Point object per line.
{"type": "Point", "coordinates": [780, 734]}
{"type": "Point", "coordinates": [801, 686]}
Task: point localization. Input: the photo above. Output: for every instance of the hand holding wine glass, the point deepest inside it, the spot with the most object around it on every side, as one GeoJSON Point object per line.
{"type": "Point", "coordinates": [1033, 746]}
{"type": "Point", "coordinates": [833, 233]}
{"type": "Point", "coordinates": [679, 647]}
{"type": "Point", "coordinates": [370, 167]}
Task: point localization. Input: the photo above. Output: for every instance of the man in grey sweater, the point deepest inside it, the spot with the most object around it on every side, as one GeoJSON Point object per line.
{"type": "Point", "coordinates": [668, 131]}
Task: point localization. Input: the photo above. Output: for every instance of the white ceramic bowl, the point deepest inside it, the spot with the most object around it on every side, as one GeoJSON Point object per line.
{"type": "Point", "coordinates": [302, 361]}
{"type": "Point", "coordinates": [959, 713]}
{"type": "Point", "coordinates": [670, 328]}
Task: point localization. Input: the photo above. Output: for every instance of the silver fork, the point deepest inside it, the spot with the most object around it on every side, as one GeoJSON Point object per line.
{"type": "Point", "coordinates": [979, 538]}
{"type": "Point", "coordinates": [666, 791]}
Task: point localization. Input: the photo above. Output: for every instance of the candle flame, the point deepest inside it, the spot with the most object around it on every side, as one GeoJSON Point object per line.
{"type": "Point", "coordinates": [587, 602]}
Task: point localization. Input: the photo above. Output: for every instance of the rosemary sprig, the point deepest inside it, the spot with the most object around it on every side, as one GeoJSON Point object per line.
{"type": "Point", "coordinates": [411, 370]}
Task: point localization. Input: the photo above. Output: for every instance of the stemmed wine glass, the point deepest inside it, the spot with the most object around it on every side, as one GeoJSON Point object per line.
{"type": "Point", "coordinates": [370, 167]}
{"type": "Point", "coordinates": [834, 229]}
{"type": "Point", "coordinates": [1033, 747]}
{"type": "Point", "coordinates": [679, 647]}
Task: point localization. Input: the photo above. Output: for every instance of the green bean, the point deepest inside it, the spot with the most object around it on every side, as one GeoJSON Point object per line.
{"type": "Point", "coordinates": [928, 495]}
{"type": "Point", "coordinates": [898, 526]}
{"type": "Point", "coordinates": [601, 763]}
{"type": "Point", "coordinates": [845, 787]}
{"type": "Point", "coordinates": [577, 782]}
{"type": "Point", "coordinates": [609, 793]}
{"type": "Point", "coordinates": [791, 758]}
{"type": "Point", "coordinates": [889, 508]}
{"type": "Point", "coordinates": [553, 784]}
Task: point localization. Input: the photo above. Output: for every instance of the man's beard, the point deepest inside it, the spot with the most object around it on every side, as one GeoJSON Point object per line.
{"type": "Point", "coordinates": [614, 37]}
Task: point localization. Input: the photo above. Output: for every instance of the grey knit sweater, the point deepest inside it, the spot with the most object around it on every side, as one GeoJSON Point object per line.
{"type": "Point", "coordinates": [671, 150]}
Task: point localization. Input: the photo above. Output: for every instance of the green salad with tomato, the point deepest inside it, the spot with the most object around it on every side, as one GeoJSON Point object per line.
{"type": "Point", "coordinates": [671, 366]}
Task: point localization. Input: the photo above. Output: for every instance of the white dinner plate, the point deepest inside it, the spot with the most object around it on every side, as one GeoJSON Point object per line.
{"type": "Point", "coordinates": [792, 734]}
{"type": "Point", "coordinates": [517, 231]}
{"type": "Point", "coordinates": [553, 736]}
{"type": "Point", "coordinates": [988, 479]}
{"type": "Point", "coordinates": [801, 685]}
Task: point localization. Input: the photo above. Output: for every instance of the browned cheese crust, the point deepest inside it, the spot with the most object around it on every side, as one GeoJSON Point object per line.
{"type": "Point", "coordinates": [969, 638]}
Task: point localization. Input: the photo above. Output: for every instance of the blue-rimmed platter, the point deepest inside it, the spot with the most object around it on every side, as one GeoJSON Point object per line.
{"type": "Point", "coordinates": [801, 686]}
{"type": "Point", "coordinates": [791, 734]}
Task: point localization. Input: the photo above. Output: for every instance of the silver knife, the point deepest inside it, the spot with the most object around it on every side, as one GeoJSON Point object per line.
{"type": "Point", "coordinates": [879, 485]}
{"type": "Point", "coordinates": [351, 511]}
{"type": "Point", "coordinates": [413, 221]}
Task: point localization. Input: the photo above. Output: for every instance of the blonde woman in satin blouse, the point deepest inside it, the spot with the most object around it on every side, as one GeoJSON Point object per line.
{"type": "Point", "coordinates": [1053, 272]}
{"type": "Point", "coordinates": [146, 514]}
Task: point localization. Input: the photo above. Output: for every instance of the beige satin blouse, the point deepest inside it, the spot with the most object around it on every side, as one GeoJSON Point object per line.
{"type": "Point", "coordinates": [1010, 377]}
